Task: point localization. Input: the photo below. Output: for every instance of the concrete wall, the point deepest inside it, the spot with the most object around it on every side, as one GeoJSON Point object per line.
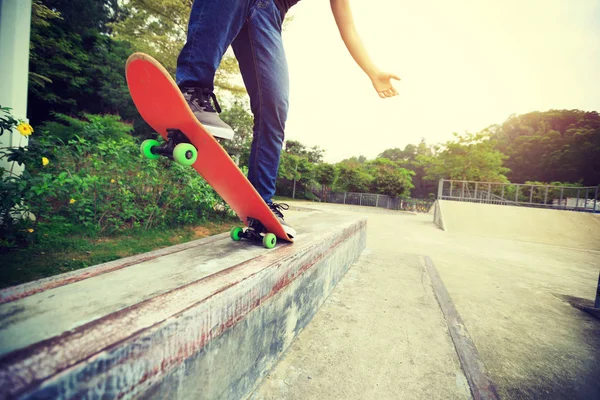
{"type": "Point", "coordinates": [214, 337]}
{"type": "Point", "coordinates": [438, 219]}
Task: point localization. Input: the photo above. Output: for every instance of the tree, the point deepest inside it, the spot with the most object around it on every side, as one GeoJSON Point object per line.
{"type": "Point", "coordinates": [74, 65]}
{"type": "Point", "coordinates": [407, 158]}
{"type": "Point", "coordinates": [241, 121]}
{"type": "Point", "coordinates": [296, 174]}
{"type": "Point", "coordinates": [352, 178]}
{"type": "Point", "coordinates": [470, 157]}
{"type": "Point", "coordinates": [389, 178]}
{"type": "Point", "coordinates": [314, 154]}
{"type": "Point", "coordinates": [325, 176]}
{"type": "Point", "coordinates": [556, 145]}
{"type": "Point", "coordinates": [159, 28]}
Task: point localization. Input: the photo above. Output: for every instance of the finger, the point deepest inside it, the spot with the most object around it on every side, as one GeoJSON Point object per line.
{"type": "Point", "coordinates": [395, 91]}
{"type": "Point", "coordinates": [396, 77]}
{"type": "Point", "coordinates": [381, 94]}
{"type": "Point", "coordinates": [389, 93]}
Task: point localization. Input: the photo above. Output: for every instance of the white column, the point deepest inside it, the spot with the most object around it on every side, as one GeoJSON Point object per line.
{"type": "Point", "coordinates": [15, 28]}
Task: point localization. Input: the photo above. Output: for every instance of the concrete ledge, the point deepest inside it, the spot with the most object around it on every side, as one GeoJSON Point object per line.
{"type": "Point", "coordinates": [207, 321]}
{"type": "Point", "coordinates": [438, 218]}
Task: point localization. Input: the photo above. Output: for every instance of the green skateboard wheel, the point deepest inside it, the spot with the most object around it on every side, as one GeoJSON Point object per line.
{"type": "Point", "coordinates": [270, 240]}
{"type": "Point", "coordinates": [146, 149]}
{"type": "Point", "coordinates": [236, 234]}
{"type": "Point", "coordinates": [185, 154]}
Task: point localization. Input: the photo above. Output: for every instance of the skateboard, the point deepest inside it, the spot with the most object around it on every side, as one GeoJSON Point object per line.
{"type": "Point", "coordinates": [162, 105]}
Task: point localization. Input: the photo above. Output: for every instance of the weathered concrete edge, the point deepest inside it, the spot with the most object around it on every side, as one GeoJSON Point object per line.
{"type": "Point", "coordinates": [27, 289]}
{"type": "Point", "coordinates": [480, 383]}
{"type": "Point", "coordinates": [438, 216]}
{"type": "Point", "coordinates": [120, 346]}
{"type": "Point", "coordinates": [269, 330]}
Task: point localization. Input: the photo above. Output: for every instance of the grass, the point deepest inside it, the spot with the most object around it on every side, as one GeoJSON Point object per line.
{"type": "Point", "coordinates": [58, 253]}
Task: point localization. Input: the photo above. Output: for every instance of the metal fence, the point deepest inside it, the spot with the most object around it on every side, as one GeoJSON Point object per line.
{"type": "Point", "coordinates": [378, 200]}
{"type": "Point", "coordinates": [548, 196]}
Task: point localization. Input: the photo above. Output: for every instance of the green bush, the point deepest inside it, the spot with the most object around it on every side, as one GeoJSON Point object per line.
{"type": "Point", "coordinates": [91, 175]}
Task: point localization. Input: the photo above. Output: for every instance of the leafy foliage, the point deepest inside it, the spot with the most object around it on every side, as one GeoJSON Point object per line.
{"type": "Point", "coordinates": [241, 121]}
{"type": "Point", "coordinates": [557, 145]}
{"type": "Point", "coordinates": [159, 28]}
{"type": "Point", "coordinates": [389, 178]}
{"type": "Point", "coordinates": [74, 65]}
{"type": "Point", "coordinates": [470, 157]}
{"type": "Point", "coordinates": [95, 178]}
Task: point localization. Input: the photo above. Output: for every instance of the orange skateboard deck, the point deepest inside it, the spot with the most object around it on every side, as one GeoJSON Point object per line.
{"type": "Point", "coordinates": [162, 105]}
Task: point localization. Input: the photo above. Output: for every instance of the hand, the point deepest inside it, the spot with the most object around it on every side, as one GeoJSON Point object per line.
{"type": "Point", "coordinates": [382, 82]}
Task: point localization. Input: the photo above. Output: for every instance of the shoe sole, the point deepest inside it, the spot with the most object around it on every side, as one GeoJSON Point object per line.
{"type": "Point", "coordinates": [289, 230]}
{"type": "Point", "coordinates": [217, 131]}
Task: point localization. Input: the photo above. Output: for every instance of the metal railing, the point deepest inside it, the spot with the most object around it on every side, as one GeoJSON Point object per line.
{"type": "Point", "coordinates": [379, 201]}
{"type": "Point", "coordinates": [549, 196]}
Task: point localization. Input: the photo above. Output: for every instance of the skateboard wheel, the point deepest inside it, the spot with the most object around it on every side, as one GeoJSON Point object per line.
{"type": "Point", "coordinates": [236, 234]}
{"type": "Point", "coordinates": [270, 240]}
{"type": "Point", "coordinates": [146, 148]}
{"type": "Point", "coordinates": [185, 154]}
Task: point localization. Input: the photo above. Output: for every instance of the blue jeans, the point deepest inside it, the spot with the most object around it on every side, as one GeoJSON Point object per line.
{"type": "Point", "coordinates": [253, 29]}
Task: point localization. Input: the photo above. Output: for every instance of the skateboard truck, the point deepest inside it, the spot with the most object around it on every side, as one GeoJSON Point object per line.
{"type": "Point", "coordinates": [177, 147]}
{"type": "Point", "coordinates": [255, 231]}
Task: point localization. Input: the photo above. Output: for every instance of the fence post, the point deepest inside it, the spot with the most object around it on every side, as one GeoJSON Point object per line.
{"type": "Point", "coordinates": [546, 196]}
{"type": "Point", "coordinates": [377, 201]}
{"type": "Point", "coordinates": [517, 194]}
{"type": "Point", "coordinates": [531, 195]}
{"type": "Point", "coordinates": [502, 195]}
{"type": "Point", "coordinates": [561, 196]}
{"type": "Point", "coordinates": [440, 189]}
{"type": "Point", "coordinates": [345, 197]}
{"type": "Point", "coordinates": [360, 201]}
{"type": "Point", "coordinates": [462, 194]}
{"type": "Point", "coordinates": [475, 194]}
{"type": "Point", "coordinates": [577, 201]}
{"type": "Point", "coordinates": [489, 192]}
{"type": "Point", "coordinates": [587, 192]}
{"type": "Point", "coordinates": [596, 197]}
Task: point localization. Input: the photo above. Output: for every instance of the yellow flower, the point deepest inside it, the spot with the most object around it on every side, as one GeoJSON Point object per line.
{"type": "Point", "coordinates": [45, 161]}
{"type": "Point", "coordinates": [72, 201]}
{"type": "Point", "coordinates": [112, 181]}
{"type": "Point", "coordinates": [30, 230]}
{"type": "Point", "coordinates": [24, 129]}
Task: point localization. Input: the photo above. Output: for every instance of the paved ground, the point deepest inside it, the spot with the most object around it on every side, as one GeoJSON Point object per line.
{"type": "Point", "coordinates": [381, 334]}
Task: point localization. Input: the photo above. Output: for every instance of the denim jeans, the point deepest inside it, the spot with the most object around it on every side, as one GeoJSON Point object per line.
{"type": "Point", "coordinates": [253, 29]}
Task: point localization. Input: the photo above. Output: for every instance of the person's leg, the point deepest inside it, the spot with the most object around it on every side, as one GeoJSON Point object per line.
{"type": "Point", "coordinates": [260, 53]}
{"type": "Point", "coordinates": [213, 25]}
{"type": "Point", "coordinates": [259, 50]}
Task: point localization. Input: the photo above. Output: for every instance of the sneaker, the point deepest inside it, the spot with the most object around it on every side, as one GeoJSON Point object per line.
{"type": "Point", "coordinates": [276, 208]}
{"type": "Point", "coordinates": [199, 101]}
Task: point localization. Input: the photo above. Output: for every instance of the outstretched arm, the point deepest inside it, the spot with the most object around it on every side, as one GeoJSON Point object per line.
{"type": "Point", "coordinates": [345, 23]}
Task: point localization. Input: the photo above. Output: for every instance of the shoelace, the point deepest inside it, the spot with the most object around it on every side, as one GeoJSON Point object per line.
{"type": "Point", "coordinates": [201, 97]}
{"type": "Point", "coordinates": [276, 207]}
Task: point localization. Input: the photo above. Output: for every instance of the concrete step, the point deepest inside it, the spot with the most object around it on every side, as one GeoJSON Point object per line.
{"type": "Point", "coordinates": [207, 319]}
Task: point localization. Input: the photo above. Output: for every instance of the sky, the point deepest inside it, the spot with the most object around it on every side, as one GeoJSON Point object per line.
{"type": "Point", "coordinates": [464, 65]}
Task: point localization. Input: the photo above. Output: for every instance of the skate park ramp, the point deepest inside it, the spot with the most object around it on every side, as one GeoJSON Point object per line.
{"type": "Point", "coordinates": [571, 229]}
